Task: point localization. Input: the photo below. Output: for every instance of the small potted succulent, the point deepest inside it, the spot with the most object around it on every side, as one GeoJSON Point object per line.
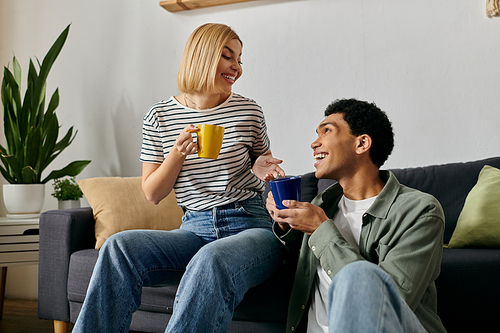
{"type": "Point", "coordinates": [67, 192]}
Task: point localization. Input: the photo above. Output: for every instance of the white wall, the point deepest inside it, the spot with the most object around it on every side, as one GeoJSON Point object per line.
{"type": "Point", "coordinates": [431, 65]}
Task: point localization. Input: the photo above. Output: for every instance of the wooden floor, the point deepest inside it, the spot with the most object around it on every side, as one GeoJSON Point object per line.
{"type": "Point", "coordinates": [21, 316]}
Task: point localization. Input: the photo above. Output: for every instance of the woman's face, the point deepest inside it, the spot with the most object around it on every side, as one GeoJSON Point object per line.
{"type": "Point", "coordinates": [229, 68]}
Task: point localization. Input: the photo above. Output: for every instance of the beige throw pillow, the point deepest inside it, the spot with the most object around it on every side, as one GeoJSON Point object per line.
{"type": "Point", "coordinates": [119, 204]}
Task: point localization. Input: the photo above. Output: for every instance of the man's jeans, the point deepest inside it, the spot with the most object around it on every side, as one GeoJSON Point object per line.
{"type": "Point", "coordinates": [217, 255]}
{"type": "Point", "coordinates": [364, 298]}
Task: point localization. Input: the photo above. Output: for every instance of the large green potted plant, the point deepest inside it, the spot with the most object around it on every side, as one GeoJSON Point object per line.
{"type": "Point", "coordinates": [32, 131]}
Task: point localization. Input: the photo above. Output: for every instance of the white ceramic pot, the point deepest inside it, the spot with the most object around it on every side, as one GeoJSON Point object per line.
{"type": "Point", "coordinates": [68, 204]}
{"type": "Point", "coordinates": [24, 198]}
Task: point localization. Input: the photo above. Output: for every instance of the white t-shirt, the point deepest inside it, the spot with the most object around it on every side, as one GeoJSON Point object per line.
{"type": "Point", "coordinates": [348, 219]}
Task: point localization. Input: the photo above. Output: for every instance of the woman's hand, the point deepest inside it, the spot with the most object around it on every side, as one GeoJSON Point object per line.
{"type": "Point", "coordinates": [267, 168]}
{"type": "Point", "coordinates": [184, 143]}
{"type": "Point", "coordinates": [159, 179]}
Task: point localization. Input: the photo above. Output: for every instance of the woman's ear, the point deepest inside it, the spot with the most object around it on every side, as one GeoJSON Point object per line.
{"type": "Point", "coordinates": [364, 143]}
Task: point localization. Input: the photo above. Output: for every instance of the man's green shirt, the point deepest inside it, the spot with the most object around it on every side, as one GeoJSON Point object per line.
{"type": "Point", "coordinates": [402, 232]}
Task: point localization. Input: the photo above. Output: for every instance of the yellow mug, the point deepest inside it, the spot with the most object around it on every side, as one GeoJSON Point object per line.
{"type": "Point", "coordinates": [209, 139]}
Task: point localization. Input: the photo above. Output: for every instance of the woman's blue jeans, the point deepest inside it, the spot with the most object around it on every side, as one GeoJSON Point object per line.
{"type": "Point", "coordinates": [217, 255]}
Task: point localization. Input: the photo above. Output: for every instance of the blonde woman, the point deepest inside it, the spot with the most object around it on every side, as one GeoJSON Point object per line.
{"type": "Point", "coordinates": [225, 244]}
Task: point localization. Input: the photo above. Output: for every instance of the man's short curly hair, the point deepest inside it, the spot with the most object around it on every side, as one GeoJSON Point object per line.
{"type": "Point", "coordinates": [366, 118]}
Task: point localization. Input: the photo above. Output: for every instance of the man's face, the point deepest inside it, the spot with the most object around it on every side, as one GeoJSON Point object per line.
{"type": "Point", "coordinates": [335, 148]}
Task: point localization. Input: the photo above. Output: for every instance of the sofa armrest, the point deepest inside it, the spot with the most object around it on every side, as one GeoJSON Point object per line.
{"type": "Point", "coordinates": [62, 232]}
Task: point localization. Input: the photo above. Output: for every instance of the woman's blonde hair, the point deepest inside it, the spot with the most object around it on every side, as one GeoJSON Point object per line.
{"type": "Point", "coordinates": [201, 56]}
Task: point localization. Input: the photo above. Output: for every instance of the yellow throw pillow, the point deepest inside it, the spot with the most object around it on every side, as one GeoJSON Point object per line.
{"type": "Point", "coordinates": [119, 204]}
{"type": "Point", "coordinates": [479, 222]}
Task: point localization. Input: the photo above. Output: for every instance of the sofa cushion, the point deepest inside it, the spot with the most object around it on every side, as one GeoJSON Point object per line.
{"type": "Point", "coordinates": [308, 186]}
{"type": "Point", "coordinates": [119, 204]}
{"type": "Point", "coordinates": [81, 266]}
{"type": "Point", "coordinates": [265, 302]}
{"type": "Point", "coordinates": [80, 271]}
{"type": "Point", "coordinates": [467, 289]}
{"type": "Point", "coordinates": [479, 222]}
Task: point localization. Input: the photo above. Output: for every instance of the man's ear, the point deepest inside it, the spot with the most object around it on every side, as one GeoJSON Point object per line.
{"type": "Point", "coordinates": [364, 143]}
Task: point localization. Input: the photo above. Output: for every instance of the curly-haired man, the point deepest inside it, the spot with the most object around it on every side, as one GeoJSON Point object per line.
{"type": "Point", "coordinates": [367, 249]}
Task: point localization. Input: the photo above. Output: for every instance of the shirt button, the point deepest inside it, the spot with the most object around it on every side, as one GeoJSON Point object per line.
{"type": "Point", "coordinates": [313, 248]}
{"type": "Point", "coordinates": [329, 272]}
{"type": "Point", "coordinates": [293, 329]}
{"type": "Point", "coordinates": [303, 307]}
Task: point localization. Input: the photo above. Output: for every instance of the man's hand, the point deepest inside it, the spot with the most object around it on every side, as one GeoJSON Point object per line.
{"type": "Point", "coordinates": [301, 216]}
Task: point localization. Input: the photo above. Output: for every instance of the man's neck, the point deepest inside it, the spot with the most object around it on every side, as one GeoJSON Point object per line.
{"type": "Point", "coordinates": [364, 184]}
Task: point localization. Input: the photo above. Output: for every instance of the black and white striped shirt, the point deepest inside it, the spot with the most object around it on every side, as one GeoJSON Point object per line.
{"type": "Point", "coordinates": [203, 183]}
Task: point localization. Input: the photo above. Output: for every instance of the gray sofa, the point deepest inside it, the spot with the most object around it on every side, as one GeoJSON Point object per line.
{"type": "Point", "coordinates": [468, 289]}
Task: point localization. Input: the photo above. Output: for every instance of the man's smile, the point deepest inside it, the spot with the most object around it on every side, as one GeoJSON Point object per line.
{"type": "Point", "coordinates": [318, 157]}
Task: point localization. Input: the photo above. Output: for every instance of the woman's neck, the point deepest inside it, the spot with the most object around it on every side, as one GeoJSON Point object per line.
{"type": "Point", "coordinates": [202, 101]}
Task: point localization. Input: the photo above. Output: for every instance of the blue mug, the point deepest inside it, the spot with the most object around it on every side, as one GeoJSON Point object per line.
{"type": "Point", "coordinates": [287, 188]}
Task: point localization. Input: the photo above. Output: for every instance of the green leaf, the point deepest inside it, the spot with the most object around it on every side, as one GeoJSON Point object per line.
{"type": "Point", "coordinates": [66, 140]}
{"type": "Point", "coordinates": [72, 170]}
{"type": "Point", "coordinates": [7, 175]}
{"type": "Point", "coordinates": [12, 135]}
{"type": "Point", "coordinates": [12, 166]}
{"type": "Point", "coordinates": [32, 151]}
{"type": "Point", "coordinates": [48, 152]}
{"type": "Point", "coordinates": [53, 104]}
{"type": "Point", "coordinates": [28, 175]}
{"type": "Point", "coordinates": [17, 71]}
{"type": "Point", "coordinates": [48, 61]}
{"type": "Point", "coordinates": [31, 100]}
{"type": "Point", "coordinates": [11, 90]}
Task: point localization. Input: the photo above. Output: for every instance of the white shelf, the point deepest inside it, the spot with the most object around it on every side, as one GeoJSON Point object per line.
{"type": "Point", "coordinates": [16, 248]}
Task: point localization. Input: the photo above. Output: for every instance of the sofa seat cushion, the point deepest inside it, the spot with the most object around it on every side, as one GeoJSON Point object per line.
{"type": "Point", "coordinates": [80, 271]}
{"type": "Point", "coordinates": [465, 274]}
{"type": "Point", "coordinates": [81, 265]}
{"type": "Point", "coordinates": [265, 302]}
